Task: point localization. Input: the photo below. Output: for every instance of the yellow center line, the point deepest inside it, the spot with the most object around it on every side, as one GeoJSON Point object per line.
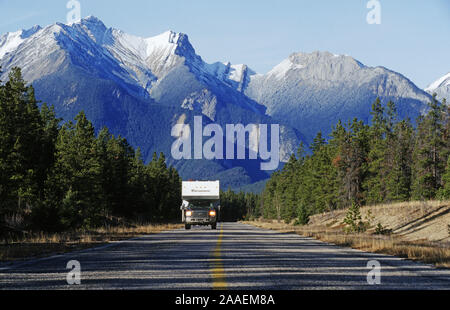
{"type": "Point", "coordinates": [218, 272]}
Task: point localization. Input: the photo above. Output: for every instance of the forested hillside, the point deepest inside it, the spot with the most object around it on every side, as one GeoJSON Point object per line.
{"type": "Point", "coordinates": [389, 160]}
{"type": "Point", "coordinates": [57, 176]}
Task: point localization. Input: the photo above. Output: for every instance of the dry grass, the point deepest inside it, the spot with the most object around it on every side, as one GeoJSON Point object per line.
{"type": "Point", "coordinates": [418, 231]}
{"type": "Point", "coordinates": [42, 244]}
{"type": "Point", "coordinates": [414, 221]}
{"type": "Point", "coordinates": [427, 252]}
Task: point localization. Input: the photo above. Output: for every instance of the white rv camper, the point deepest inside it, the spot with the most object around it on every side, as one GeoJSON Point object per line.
{"type": "Point", "coordinates": [201, 203]}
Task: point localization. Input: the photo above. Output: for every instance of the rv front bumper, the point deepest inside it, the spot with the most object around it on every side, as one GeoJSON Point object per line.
{"type": "Point", "coordinates": [200, 220]}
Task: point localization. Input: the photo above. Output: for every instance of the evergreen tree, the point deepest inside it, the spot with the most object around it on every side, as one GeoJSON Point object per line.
{"type": "Point", "coordinates": [120, 155]}
{"type": "Point", "coordinates": [173, 200]}
{"type": "Point", "coordinates": [374, 184]}
{"type": "Point", "coordinates": [353, 166]}
{"type": "Point", "coordinates": [445, 191]}
{"type": "Point", "coordinates": [47, 155]}
{"type": "Point", "coordinates": [323, 176]}
{"type": "Point", "coordinates": [77, 175]}
{"type": "Point", "coordinates": [286, 203]}
{"type": "Point", "coordinates": [21, 134]}
{"type": "Point", "coordinates": [399, 175]}
{"type": "Point", "coordinates": [429, 162]}
{"type": "Point", "coordinates": [137, 184]}
{"type": "Point", "coordinates": [353, 220]}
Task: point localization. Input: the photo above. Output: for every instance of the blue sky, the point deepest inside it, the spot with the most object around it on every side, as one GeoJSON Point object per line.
{"type": "Point", "coordinates": [413, 38]}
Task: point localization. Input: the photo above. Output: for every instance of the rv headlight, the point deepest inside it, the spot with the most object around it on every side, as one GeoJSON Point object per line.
{"type": "Point", "coordinates": [212, 213]}
{"type": "Point", "coordinates": [189, 213]}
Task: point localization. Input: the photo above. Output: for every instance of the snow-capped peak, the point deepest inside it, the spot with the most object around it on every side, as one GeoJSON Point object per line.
{"type": "Point", "coordinates": [315, 65]}
{"type": "Point", "coordinates": [10, 41]}
{"type": "Point", "coordinates": [93, 26]}
{"type": "Point", "coordinates": [283, 68]}
{"type": "Point", "coordinates": [443, 81]}
{"type": "Point", "coordinates": [167, 41]}
{"type": "Point", "coordinates": [169, 36]}
{"type": "Point", "coordinates": [91, 19]}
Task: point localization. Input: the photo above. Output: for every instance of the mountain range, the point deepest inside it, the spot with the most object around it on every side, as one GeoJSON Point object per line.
{"type": "Point", "coordinates": [141, 87]}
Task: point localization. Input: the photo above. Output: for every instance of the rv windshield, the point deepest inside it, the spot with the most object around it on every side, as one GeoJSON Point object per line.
{"type": "Point", "coordinates": [199, 204]}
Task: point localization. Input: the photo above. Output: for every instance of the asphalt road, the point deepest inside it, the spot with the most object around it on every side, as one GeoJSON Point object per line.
{"type": "Point", "coordinates": [235, 256]}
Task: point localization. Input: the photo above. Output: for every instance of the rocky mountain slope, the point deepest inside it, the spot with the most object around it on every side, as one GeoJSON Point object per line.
{"type": "Point", "coordinates": [312, 92]}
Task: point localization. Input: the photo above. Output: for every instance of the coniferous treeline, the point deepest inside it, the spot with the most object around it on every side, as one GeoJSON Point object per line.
{"type": "Point", "coordinates": [56, 178]}
{"type": "Point", "coordinates": [239, 206]}
{"type": "Point", "coordinates": [389, 160]}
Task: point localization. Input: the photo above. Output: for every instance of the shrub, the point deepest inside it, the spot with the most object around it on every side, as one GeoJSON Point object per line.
{"type": "Point", "coordinates": [353, 220]}
{"type": "Point", "coordinates": [381, 230]}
